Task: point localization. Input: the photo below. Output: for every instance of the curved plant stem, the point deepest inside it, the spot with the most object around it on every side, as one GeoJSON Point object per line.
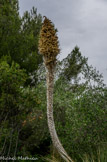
{"type": "Point", "coordinates": [56, 142]}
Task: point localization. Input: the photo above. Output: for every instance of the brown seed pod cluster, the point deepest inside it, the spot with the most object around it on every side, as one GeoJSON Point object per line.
{"type": "Point", "coordinates": [48, 42]}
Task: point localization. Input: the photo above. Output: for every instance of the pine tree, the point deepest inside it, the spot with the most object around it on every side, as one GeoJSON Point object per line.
{"type": "Point", "coordinates": [49, 48]}
{"type": "Point", "coordinates": [19, 37]}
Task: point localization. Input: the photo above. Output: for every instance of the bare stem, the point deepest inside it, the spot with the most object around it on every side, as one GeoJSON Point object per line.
{"type": "Point", "coordinates": [56, 142]}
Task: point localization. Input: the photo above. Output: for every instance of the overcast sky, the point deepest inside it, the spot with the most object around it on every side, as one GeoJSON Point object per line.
{"type": "Point", "coordinates": [79, 22]}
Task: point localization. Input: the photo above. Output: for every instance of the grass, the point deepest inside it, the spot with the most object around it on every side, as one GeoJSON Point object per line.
{"type": "Point", "coordinates": [100, 156]}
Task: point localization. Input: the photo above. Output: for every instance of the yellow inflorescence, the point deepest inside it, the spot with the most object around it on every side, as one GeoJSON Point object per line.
{"type": "Point", "coordinates": [48, 42]}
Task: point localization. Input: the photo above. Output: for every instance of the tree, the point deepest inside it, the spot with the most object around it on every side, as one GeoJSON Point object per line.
{"type": "Point", "coordinates": [49, 48]}
{"type": "Point", "coordinates": [19, 61]}
{"type": "Point", "coordinates": [12, 78]}
{"type": "Point", "coordinates": [19, 37]}
{"type": "Point", "coordinates": [21, 114]}
{"type": "Point", "coordinates": [83, 103]}
{"type": "Point", "coordinates": [73, 64]}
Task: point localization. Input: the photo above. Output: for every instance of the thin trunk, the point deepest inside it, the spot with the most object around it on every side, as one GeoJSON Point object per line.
{"type": "Point", "coordinates": [4, 144]}
{"type": "Point", "coordinates": [4, 121]}
{"type": "Point", "coordinates": [16, 143]}
{"type": "Point", "coordinates": [11, 135]}
{"type": "Point", "coordinates": [57, 144]}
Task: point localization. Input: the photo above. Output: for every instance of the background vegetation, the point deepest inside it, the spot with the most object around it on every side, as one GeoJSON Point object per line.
{"type": "Point", "coordinates": [80, 95]}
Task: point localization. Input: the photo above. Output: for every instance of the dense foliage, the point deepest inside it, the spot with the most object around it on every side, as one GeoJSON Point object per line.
{"type": "Point", "coordinates": [80, 95]}
{"type": "Point", "coordinates": [19, 36]}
